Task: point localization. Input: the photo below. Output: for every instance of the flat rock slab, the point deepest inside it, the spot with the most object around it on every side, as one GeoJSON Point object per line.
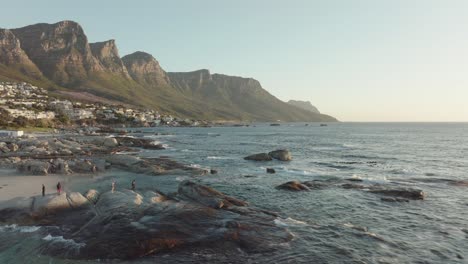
{"type": "Point", "coordinates": [128, 225]}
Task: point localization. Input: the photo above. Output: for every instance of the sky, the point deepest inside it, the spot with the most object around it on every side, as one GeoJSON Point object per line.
{"type": "Point", "coordinates": [358, 60]}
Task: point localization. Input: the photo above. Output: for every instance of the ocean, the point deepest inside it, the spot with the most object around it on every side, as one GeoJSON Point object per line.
{"type": "Point", "coordinates": [331, 225]}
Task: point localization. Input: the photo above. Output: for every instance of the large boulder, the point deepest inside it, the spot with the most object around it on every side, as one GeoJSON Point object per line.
{"type": "Point", "coordinates": [259, 157]}
{"type": "Point", "coordinates": [13, 147]}
{"type": "Point", "coordinates": [281, 154]}
{"type": "Point", "coordinates": [110, 142]}
{"type": "Point", "coordinates": [92, 196]}
{"type": "Point", "coordinates": [60, 166]}
{"type": "Point", "coordinates": [151, 166]}
{"type": "Point", "coordinates": [4, 148]}
{"type": "Point", "coordinates": [34, 167]}
{"type": "Point", "coordinates": [53, 203]}
{"type": "Point", "coordinates": [155, 197]}
{"type": "Point", "coordinates": [123, 199]}
{"type": "Point", "coordinates": [139, 143]}
{"type": "Point", "coordinates": [408, 193]}
{"type": "Point", "coordinates": [40, 151]}
{"type": "Point", "coordinates": [293, 186]}
{"type": "Point", "coordinates": [83, 166]}
{"type": "Point", "coordinates": [207, 196]}
{"type": "Point", "coordinates": [128, 225]}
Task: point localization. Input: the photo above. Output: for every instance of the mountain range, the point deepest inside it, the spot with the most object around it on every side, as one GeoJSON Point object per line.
{"type": "Point", "coordinates": [59, 57]}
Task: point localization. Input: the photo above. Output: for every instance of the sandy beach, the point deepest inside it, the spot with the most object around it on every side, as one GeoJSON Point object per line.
{"type": "Point", "coordinates": [14, 184]}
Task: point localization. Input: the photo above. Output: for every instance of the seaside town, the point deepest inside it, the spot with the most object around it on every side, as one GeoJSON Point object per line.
{"type": "Point", "coordinates": [23, 104]}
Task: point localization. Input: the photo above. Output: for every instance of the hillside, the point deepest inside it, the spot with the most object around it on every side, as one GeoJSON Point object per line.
{"type": "Point", "coordinates": [59, 57]}
{"type": "Point", "coordinates": [306, 105]}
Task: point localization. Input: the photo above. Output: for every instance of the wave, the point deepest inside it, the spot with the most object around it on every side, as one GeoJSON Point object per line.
{"type": "Point", "coordinates": [218, 158]}
{"type": "Point", "coordinates": [61, 240]}
{"type": "Point", "coordinates": [21, 229]}
{"type": "Point", "coordinates": [298, 171]}
{"type": "Point", "coordinates": [285, 222]}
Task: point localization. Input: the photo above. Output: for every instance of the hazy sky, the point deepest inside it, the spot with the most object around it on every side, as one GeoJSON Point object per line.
{"type": "Point", "coordinates": [358, 60]}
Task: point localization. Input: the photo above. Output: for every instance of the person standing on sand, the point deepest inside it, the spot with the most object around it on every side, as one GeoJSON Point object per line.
{"type": "Point", "coordinates": [113, 186]}
{"type": "Point", "coordinates": [43, 190]}
{"type": "Point", "coordinates": [59, 188]}
{"type": "Point", "coordinates": [133, 185]}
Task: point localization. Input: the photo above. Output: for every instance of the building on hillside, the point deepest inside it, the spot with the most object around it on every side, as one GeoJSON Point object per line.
{"type": "Point", "coordinates": [61, 105]}
{"type": "Point", "coordinates": [11, 133]}
{"type": "Point", "coordinates": [78, 114]}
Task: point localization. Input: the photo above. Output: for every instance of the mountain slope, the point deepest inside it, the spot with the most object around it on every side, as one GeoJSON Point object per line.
{"type": "Point", "coordinates": [306, 105]}
{"type": "Point", "coordinates": [59, 56]}
{"type": "Point", "coordinates": [11, 55]}
{"type": "Point", "coordinates": [242, 98]}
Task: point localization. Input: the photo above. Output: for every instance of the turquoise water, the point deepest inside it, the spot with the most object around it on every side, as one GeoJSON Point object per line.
{"type": "Point", "coordinates": [326, 223]}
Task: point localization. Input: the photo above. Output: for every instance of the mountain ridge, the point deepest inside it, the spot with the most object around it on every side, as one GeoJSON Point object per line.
{"type": "Point", "coordinates": [59, 56]}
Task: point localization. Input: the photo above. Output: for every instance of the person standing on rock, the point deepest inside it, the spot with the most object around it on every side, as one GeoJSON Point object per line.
{"type": "Point", "coordinates": [113, 186]}
{"type": "Point", "coordinates": [43, 190]}
{"type": "Point", "coordinates": [133, 185]}
{"type": "Point", "coordinates": [59, 188]}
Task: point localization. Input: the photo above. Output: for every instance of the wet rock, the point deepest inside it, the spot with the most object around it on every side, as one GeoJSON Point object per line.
{"type": "Point", "coordinates": [259, 157]}
{"type": "Point", "coordinates": [270, 170]}
{"type": "Point", "coordinates": [358, 228]}
{"type": "Point", "coordinates": [34, 167]}
{"type": "Point", "coordinates": [293, 186]}
{"type": "Point", "coordinates": [207, 196]}
{"type": "Point", "coordinates": [316, 184]}
{"type": "Point", "coordinates": [408, 193]}
{"type": "Point", "coordinates": [281, 154]}
{"type": "Point", "coordinates": [353, 186]}
{"type": "Point", "coordinates": [355, 179]}
{"type": "Point", "coordinates": [392, 199]}
{"type": "Point", "coordinates": [213, 171]}
{"type": "Point", "coordinates": [138, 143]}
{"type": "Point", "coordinates": [151, 166]}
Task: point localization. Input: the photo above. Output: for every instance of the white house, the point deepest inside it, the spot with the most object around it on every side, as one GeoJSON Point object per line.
{"type": "Point", "coordinates": [11, 133]}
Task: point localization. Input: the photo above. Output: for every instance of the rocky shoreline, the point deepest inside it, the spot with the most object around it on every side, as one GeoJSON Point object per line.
{"type": "Point", "coordinates": [129, 224]}
{"type": "Point", "coordinates": [63, 154]}
{"type": "Point", "coordinates": [126, 224]}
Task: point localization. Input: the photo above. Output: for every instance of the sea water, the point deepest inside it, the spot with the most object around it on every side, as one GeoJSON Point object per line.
{"type": "Point", "coordinates": [332, 225]}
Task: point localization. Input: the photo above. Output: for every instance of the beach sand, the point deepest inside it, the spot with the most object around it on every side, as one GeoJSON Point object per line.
{"type": "Point", "coordinates": [13, 184]}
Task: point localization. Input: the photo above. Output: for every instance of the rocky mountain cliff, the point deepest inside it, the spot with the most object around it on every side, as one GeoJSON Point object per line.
{"type": "Point", "coordinates": [306, 105]}
{"type": "Point", "coordinates": [13, 56]}
{"type": "Point", "coordinates": [61, 51]}
{"type": "Point", "coordinates": [145, 69]}
{"type": "Point", "coordinates": [59, 56]}
{"type": "Point", "coordinates": [108, 56]}
{"type": "Point", "coordinates": [243, 98]}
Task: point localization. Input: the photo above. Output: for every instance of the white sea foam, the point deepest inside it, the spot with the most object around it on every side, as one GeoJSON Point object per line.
{"type": "Point", "coordinates": [181, 178]}
{"type": "Point", "coordinates": [61, 240]}
{"type": "Point", "coordinates": [21, 229]}
{"type": "Point", "coordinates": [218, 158]}
{"type": "Point", "coordinates": [285, 222]}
